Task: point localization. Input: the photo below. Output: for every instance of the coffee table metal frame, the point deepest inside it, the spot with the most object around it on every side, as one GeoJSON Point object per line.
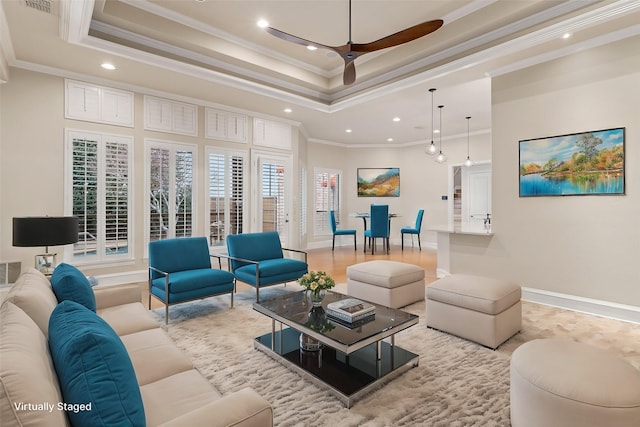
{"type": "Point", "coordinates": [348, 368]}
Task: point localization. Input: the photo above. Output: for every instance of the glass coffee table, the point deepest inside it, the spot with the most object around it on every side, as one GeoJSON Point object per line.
{"type": "Point", "coordinates": [350, 360]}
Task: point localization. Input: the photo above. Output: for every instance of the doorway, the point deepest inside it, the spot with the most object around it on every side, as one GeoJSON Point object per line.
{"type": "Point", "coordinates": [469, 193]}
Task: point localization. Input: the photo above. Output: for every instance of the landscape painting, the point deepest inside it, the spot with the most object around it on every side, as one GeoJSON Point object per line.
{"type": "Point", "coordinates": [587, 163]}
{"type": "Point", "coordinates": [379, 182]}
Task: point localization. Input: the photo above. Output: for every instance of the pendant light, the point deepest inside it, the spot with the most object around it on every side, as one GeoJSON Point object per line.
{"type": "Point", "coordinates": [468, 162]}
{"type": "Point", "coordinates": [431, 148]}
{"type": "Point", "coordinates": [441, 158]}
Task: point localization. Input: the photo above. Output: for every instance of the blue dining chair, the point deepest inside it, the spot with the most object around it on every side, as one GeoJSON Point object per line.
{"type": "Point", "coordinates": [340, 232]}
{"type": "Point", "coordinates": [379, 219]}
{"type": "Point", "coordinates": [413, 230]}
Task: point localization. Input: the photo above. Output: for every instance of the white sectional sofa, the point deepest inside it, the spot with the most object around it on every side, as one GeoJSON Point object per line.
{"type": "Point", "coordinates": [172, 391]}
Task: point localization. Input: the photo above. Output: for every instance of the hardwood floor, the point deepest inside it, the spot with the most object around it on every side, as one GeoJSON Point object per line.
{"type": "Point", "coordinates": [335, 263]}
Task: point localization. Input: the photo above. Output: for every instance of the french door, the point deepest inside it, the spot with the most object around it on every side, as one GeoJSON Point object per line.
{"type": "Point", "coordinates": [272, 185]}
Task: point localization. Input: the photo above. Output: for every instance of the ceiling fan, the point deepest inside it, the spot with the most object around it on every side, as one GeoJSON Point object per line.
{"type": "Point", "coordinates": [350, 51]}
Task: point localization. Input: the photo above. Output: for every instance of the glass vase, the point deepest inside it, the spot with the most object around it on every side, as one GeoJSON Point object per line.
{"type": "Point", "coordinates": [317, 297]}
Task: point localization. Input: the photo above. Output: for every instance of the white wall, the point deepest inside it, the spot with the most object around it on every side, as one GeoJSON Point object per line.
{"type": "Point", "coordinates": [582, 246]}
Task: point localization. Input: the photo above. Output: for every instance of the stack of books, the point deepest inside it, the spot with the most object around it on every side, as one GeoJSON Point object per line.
{"type": "Point", "coordinates": [351, 310]}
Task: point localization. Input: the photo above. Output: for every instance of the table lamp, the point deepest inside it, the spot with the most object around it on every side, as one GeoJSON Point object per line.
{"type": "Point", "coordinates": [45, 231]}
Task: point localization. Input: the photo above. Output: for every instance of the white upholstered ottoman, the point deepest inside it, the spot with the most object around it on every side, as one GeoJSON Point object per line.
{"type": "Point", "coordinates": [564, 383]}
{"type": "Point", "coordinates": [389, 283]}
{"type": "Point", "coordinates": [484, 310]}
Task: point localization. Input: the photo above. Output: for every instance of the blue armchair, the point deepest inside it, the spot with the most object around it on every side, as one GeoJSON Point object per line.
{"type": "Point", "coordinates": [413, 230]}
{"type": "Point", "coordinates": [258, 260]}
{"type": "Point", "coordinates": [341, 232]}
{"type": "Point", "coordinates": [379, 227]}
{"type": "Point", "coordinates": [180, 271]}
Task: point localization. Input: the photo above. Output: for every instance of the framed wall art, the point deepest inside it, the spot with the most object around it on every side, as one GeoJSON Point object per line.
{"type": "Point", "coordinates": [586, 163]}
{"type": "Point", "coordinates": [378, 182]}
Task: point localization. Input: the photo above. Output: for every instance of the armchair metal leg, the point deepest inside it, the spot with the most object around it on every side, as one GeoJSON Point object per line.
{"type": "Point", "coordinates": [355, 243]}
{"type": "Point", "coordinates": [166, 313]}
{"type": "Point", "coordinates": [257, 293]}
{"type": "Point", "coordinates": [333, 245]}
{"type": "Point", "coordinates": [232, 297]}
{"type": "Point", "coordinates": [402, 238]}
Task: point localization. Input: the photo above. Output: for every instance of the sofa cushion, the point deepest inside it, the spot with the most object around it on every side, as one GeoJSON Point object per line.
{"type": "Point", "coordinates": [33, 294]}
{"type": "Point", "coordinates": [273, 271]}
{"type": "Point", "coordinates": [185, 253]}
{"type": "Point", "coordinates": [184, 281]}
{"type": "Point", "coordinates": [26, 373]}
{"type": "Point", "coordinates": [154, 355]}
{"type": "Point", "coordinates": [254, 246]}
{"type": "Point", "coordinates": [69, 283]}
{"type": "Point", "coordinates": [128, 318]}
{"type": "Point", "coordinates": [177, 394]}
{"type": "Point", "coordinates": [93, 368]}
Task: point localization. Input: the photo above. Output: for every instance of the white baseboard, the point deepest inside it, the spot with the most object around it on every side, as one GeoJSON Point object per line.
{"type": "Point", "coordinates": [611, 310]}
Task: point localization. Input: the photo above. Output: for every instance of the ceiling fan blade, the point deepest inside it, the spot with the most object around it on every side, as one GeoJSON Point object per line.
{"type": "Point", "coordinates": [295, 39]}
{"type": "Point", "coordinates": [403, 36]}
{"type": "Point", "coordinates": [349, 75]}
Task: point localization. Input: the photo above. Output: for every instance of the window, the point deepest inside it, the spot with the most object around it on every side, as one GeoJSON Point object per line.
{"type": "Point", "coordinates": [170, 189]}
{"type": "Point", "coordinates": [327, 198]}
{"type": "Point", "coordinates": [99, 179]}
{"type": "Point", "coordinates": [226, 189]}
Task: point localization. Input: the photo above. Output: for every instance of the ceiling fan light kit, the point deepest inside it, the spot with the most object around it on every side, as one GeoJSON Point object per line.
{"type": "Point", "coordinates": [350, 51]}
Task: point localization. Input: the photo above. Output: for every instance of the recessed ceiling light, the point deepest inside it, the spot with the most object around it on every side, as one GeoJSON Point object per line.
{"type": "Point", "coordinates": [436, 131]}
{"type": "Point", "coordinates": [389, 139]}
{"type": "Point", "coordinates": [108, 66]}
{"type": "Point", "coordinates": [396, 119]}
{"type": "Point", "coordinates": [566, 35]}
{"type": "Point", "coordinates": [348, 131]}
{"type": "Point", "coordinates": [312, 47]}
{"type": "Point", "coordinates": [262, 23]}
{"type": "Point", "coordinates": [200, 1]}
{"type": "Point", "coordinates": [288, 110]}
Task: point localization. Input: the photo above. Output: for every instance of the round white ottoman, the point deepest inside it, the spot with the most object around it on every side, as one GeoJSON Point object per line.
{"type": "Point", "coordinates": [564, 383]}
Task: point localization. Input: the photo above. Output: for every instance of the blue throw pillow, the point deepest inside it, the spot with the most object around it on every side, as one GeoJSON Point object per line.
{"type": "Point", "coordinates": [97, 380]}
{"type": "Point", "coordinates": [69, 283]}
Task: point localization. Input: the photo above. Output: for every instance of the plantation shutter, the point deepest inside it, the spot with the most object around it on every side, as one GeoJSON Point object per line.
{"type": "Point", "coordinates": [116, 197]}
{"type": "Point", "coordinates": [273, 209]}
{"type": "Point", "coordinates": [327, 185]}
{"type": "Point", "coordinates": [170, 190]}
{"type": "Point", "coordinates": [100, 182]}
{"type": "Point", "coordinates": [226, 195]}
{"type": "Point", "coordinates": [159, 194]}
{"type": "Point", "coordinates": [85, 194]}
{"type": "Point", "coordinates": [184, 193]}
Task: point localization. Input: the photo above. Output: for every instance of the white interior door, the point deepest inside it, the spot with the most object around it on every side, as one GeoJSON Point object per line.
{"type": "Point", "coordinates": [272, 186]}
{"type": "Point", "coordinates": [476, 192]}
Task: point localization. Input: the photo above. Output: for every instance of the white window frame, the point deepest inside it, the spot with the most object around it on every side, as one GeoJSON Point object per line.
{"type": "Point", "coordinates": [321, 226]}
{"type": "Point", "coordinates": [172, 147]}
{"type": "Point", "coordinates": [227, 153]}
{"type": "Point", "coordinates": [101, 257]}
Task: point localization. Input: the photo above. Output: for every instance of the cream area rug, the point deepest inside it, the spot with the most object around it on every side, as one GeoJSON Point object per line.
{"type": "Point", "coordinates": [457, 382]}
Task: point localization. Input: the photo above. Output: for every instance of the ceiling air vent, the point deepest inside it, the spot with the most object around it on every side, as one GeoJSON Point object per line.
{"type": "Point", "coordinates": [41, 5]}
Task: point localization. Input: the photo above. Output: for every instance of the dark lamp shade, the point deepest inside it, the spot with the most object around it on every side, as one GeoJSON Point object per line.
{"type": "Point", "coordinates": [45, 231]}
